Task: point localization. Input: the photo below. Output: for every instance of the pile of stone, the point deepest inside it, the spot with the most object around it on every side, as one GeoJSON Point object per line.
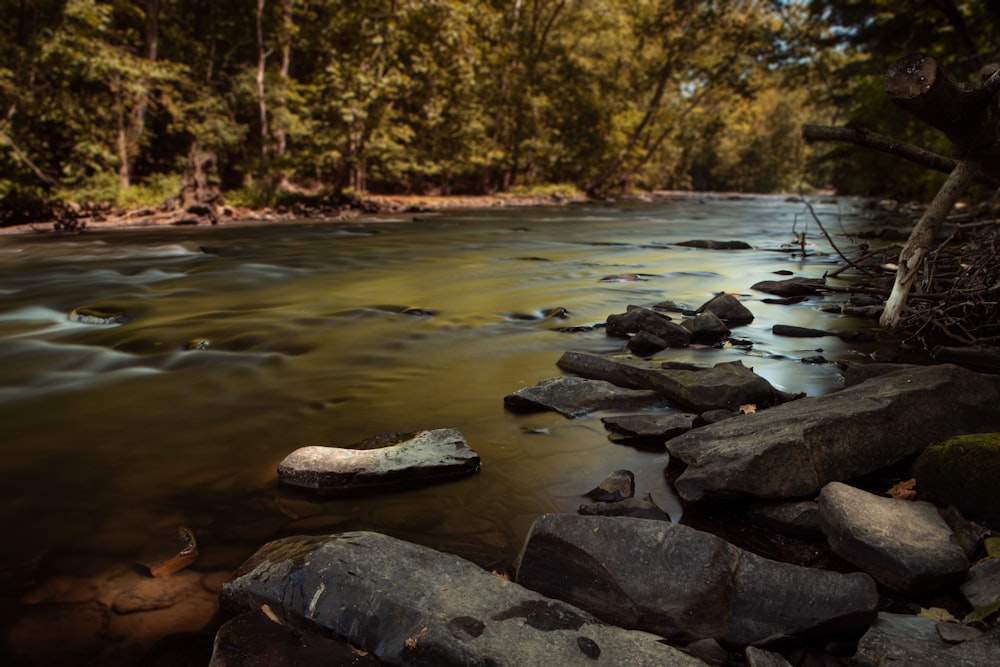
{"type": "Point", "coordinates": [619, 583]}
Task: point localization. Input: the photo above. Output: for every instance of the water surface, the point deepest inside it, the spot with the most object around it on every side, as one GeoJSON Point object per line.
{"type": "Point", "coordinates": [328, 333]}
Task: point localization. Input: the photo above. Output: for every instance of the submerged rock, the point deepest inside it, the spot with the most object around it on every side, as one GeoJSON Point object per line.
{"type": "Point", "coordinates": [793, 450]}
{"type": "Point", "coordinates": [685, 584]}
{"type": "Point", "coordinates": [387, 461]}
{"type": "Point", "coordinates": [904, 545]}
{"type": "Point", "coordinates": [169, 553]}
{"type": "Point", "coordinates": [408, 604]}
{"type": "Point", "coordinates": [104, 315]}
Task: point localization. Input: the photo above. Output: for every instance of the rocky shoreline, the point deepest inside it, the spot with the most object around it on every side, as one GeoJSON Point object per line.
{"type": "Point", "coordinates": [904, 579]}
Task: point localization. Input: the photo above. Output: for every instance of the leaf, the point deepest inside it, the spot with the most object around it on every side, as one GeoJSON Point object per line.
{"type": "Point", "coordinates": [270, 614]}
{"type": "Point", "coordinates": [748, 408]}
{"type": "Point", "coordinates": [982, 612]}
{"type": "Point", "coordinates": [938, 614]}
{"type": "Point", "coordinates": [903, 490]}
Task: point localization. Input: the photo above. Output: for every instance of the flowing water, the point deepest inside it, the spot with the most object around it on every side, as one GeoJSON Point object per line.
{"type": "Point", "coordinates": [328, 333]}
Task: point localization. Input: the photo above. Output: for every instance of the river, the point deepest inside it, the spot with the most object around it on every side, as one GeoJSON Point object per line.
{"type": "Point", "coordinates": [113, 432]}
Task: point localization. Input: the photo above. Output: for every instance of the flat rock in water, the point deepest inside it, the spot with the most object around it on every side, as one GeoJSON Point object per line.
{"type": "Point", "coordinates": [619, 485]}
{"type": "Point", "coordinates": [791, 286]}
{"type": "Point", "coordinates": [387, 461]}
{"type": "Point", "coordinates": [575, 397]}
{"type": "Point", "coordinates": [723, 386]}
{"type": "Point", "coordinates": [905, 545]}
{"type": "Point", "coordinates": [648, 429]}
{"type": "Point", "coordinates": [636, 508]}
{"type": "Point", "coordinates": [793, 450]}
{"type": "Point", "coordinates": [408, 604]}
{"type": "Point", "coordinates": [899, 640]}
{"type": "Point", "coordinates": [797, 332]}
{"type": "Point", "coordinates": [685, 584]}
{"type": "Point", "coordinates": [708, 244]}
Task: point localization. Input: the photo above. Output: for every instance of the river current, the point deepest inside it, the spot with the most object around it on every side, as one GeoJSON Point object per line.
{"type": "Point", "coordinates": [326, 333]}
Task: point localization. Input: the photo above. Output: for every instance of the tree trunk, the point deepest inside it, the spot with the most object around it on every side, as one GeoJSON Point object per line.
{"type": "Point", "coordinates": [963, 112]}
{"type": "Point", "coordinates": [262, 54]}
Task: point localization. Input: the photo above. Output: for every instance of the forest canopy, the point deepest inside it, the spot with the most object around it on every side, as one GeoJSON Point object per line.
{"type": "Point", "coordinates": [122, 99]}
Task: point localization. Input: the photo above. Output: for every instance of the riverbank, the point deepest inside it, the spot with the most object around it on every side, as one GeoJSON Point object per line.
{"type": "Point", "coordinates": [76, 218]}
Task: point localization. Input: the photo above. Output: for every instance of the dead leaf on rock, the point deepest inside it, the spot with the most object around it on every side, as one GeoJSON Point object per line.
{"type": "Point", "coordinates": [748, 408]}
{"type": "Point", "coordinates": [411, 642]}
{"type": "Point", "coordinates": [938, 614]}
{"type": "Point", "coordinates": [903, 490]}
{"type": "Point", "coordinates": [270, 614]}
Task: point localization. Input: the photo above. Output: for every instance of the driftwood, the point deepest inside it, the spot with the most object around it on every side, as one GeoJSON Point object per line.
{"type": "Point", "coordinates": [968, 116]}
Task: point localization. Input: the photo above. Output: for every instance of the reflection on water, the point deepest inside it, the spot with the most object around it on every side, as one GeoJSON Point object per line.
{"type": "Point", "coordinates": [331, 333]}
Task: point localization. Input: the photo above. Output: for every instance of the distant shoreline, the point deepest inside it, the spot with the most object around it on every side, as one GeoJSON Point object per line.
{"type": "Point", "coordinates": [367, 207]}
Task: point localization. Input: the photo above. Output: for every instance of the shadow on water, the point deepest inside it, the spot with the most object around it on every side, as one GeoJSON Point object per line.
{"type": "Point", "coordinates": [244, 343]}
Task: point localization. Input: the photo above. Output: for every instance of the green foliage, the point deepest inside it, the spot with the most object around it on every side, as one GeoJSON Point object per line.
{"type": "Point", "coordinates": [457, 95]}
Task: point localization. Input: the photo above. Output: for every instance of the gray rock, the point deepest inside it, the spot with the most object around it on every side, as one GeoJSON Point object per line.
{"type": "Point", "coordinates": [686, 584]}
{"type": "Point", "coordinates": [757, 657]}
{"type": "Point", "coordinates": [408, 604]}
{"type": "Point", "coordinates": [706, 328]}
{"type": "Point", "coordinates": [575, 397]}
{"type": "Point", "coordinates": [645, 344]}
{"type": "Point", "coordinates": [792, 450]}
{"type": "Point", "coordinates": [904, 545]}
{"type": "Point", "coordinates": [898, 640]}
{"type": "Point", "coordinates": [387, 461]}
{"type": "Point", "coordinates": [254, 640]}
{"type": "Point", "coordinates": [637, 319]}
{"type": "Point", "coordinates": [728, 309]}
{"type": "Point", "coordinates": [649, 429]}
{"type": "Point", "coordinates": [982, 586]}
{"type": "Point", "coordinates": [708, 244]}
{"type": "Point", "coordinates": [799, 519]}
{"type": "Point", "coordinates": [636, 508]}
{"type": "Point", "coordinates": [619, 485]}
{"type": "Point", "coordinates": [723, 386]}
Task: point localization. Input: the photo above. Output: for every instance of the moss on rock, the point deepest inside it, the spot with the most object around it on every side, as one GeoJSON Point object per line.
{"type": "Point", "coordinates": [963, 471]}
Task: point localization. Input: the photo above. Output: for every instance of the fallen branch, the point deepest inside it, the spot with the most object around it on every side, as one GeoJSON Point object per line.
{"type": "Point", "coordinates": [917, 247]}
{"type": "Point", "coordinates": [880, 142]}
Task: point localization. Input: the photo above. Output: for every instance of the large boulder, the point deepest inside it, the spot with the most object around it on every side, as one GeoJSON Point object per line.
{"type": "Point", "coordinates": [904, 545]}
{"type": "Point", "coordinates": [387, 461]}
{"type": "Point", "coordinates": [685, 584]}
{"type": "Point", "coordinates": [723, 386]}
{"type": "Point", "coordinates": [408, 604]}
{"type": "Point", "coordinates": [963, 471]}
{"type": "Point", "coordinates": [576, 397]}
{"type": "Point", "coordinates": [794, 449]}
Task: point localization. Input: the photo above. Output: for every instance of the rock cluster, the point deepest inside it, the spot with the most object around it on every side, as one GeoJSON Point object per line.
{"type": "Point", "coordinates": [619, 583]}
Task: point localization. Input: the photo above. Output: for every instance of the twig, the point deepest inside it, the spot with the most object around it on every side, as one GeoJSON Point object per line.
{"type": "Point", "coordinates": [815, 217]}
